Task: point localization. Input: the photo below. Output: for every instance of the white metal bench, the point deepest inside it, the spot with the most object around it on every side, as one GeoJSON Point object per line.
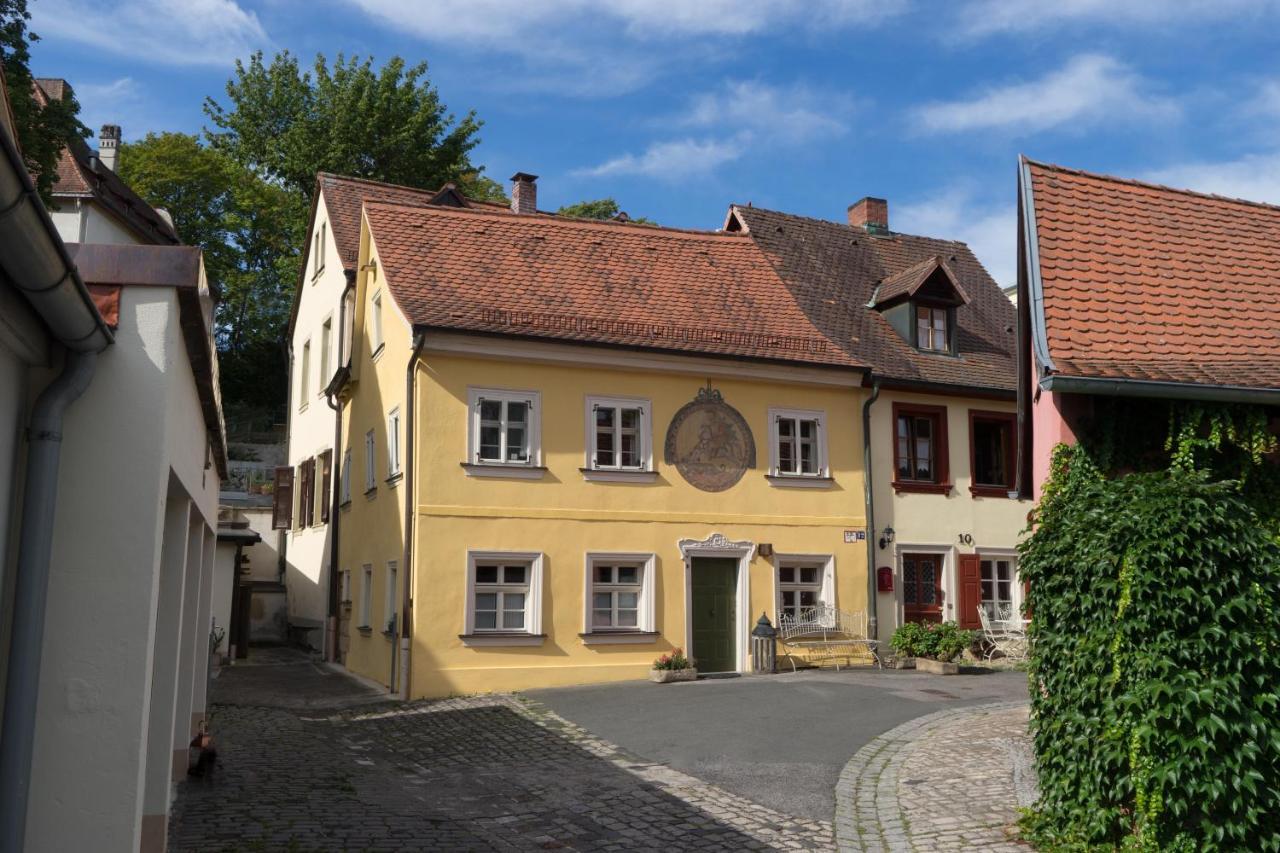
{"type": "Point", "coordinates": [1003, 632]}
{"type": "Point", "coordinates": [823, 634]}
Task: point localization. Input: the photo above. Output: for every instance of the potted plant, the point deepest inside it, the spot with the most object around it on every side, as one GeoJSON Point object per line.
{"type": "Point", "coordinates": [933, 648]}
{"type": "Point", "coordinates": [673, 666]}
{"type": "Point", "coordinates": [216, 637]}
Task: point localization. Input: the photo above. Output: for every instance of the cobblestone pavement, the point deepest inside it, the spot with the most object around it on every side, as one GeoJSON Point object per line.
{"type": "Point", "coordinates": [484, 773]}
{"type": "Point", "coordinates": [952, 780]}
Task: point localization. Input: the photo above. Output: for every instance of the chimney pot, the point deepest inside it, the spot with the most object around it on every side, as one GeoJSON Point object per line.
{"type": "Point", "coordinates": [870, 214]}
{"type": "Point", "coordinates": [109, 145]}
{"type": "Point", "coordinates": [524, 193]}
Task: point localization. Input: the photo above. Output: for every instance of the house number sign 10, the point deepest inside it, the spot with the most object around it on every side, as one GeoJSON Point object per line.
{"type": "Point", "coordinates": [966, 539]}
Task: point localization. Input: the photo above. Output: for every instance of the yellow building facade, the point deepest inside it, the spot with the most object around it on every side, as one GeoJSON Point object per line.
{"type": "Point", "coordinates": [568, 535]}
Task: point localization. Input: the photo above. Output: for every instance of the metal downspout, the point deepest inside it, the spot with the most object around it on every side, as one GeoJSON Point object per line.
{"type": "Point", "coordinates": [335, 483]}
{"type": "Point", "coordinates": [406, 604]}
{"type": "Point", "coordinates": [35, 546]}
{"type": "Point", "coordinates": [873, 625]}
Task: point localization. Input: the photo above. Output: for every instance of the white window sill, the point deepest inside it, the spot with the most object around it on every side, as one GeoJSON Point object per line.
{"type": "Point", "coordinates": [618, 638]}
{"type": "Point", "coordinates": [497, 469]}
{"type": "Point", "coordinates": [799, 481]}
{"type": "Point", "coordinates": [618, 475]}
{"type": "Point", "coordinates": [501, 638]}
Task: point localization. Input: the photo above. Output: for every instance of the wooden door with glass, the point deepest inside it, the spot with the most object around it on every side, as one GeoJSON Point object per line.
{"type": "Point", "coordinates": [922, 587]}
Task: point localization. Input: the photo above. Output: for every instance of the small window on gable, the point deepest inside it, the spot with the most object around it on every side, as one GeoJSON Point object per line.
{"type": "Point", "coordinates": [317, 265]}
{"type": "Point", "coordinates": [933, 328]}
{"type": "Point", "coordinates": [375, 322]}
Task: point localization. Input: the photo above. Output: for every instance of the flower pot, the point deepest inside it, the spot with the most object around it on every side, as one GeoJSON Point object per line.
{"type": "Point", "coordinates": [937, 667]}
{"type": "Point", "coordinates": [666, 676]}
{"type": "Point", "coordinates": [904, 663]}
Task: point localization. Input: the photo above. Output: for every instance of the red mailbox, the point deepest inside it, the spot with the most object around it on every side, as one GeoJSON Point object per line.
{"type": "Point", "coordinates": [884, 579]}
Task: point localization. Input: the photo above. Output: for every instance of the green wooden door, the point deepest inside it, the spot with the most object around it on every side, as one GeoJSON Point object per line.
{"type": "Point", "coordinates": [714, 601]}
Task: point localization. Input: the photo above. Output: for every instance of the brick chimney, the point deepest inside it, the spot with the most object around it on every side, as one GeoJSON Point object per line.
{"type": "Point", "coordinates": [870, 214]}
{"type": "Point", "coordinates": [109, 145]}
{"type": "Point", "coordinates": [524, 193]}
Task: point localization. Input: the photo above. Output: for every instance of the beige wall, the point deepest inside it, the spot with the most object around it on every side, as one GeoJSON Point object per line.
{"type": "Point", "coordinates": [936, 523]}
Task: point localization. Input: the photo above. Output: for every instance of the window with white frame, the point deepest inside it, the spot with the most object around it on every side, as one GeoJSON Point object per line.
{"type": "Point", "coordinates": [375, 321]}
{"type": "Point", "coordinates": [393, 443]}
{"type": "Point", "coordinates": [304, 375]}
{"type": "Point", "coordinates": [799, 443]}
{"type": "Point", "coordinates": [345, 496]}
{"type": "Point", "coordinates": [370, 462]}
{"type": "Point", "coordinates": [317, 264]}
{"type": "Point", "coordinates": [504, 427]}
{"type": "Point", "coordinates": [998, 586]}
{"type": "Point", "coordinates": [326, 347]}
{"type": "Point", "coordinates": [366, 595]}
{"type": "Point", "coordinates": [804, 582]}
{"type": "Point", "coordinates": [618, 433]}
{"type": "Point", "coordinates": [616, 589]}
{"type": "Point", "coordinates": [389, 597]}
{"type": "Point", "coordinates": [932, 332]}
{"type": "Point", "coordinates": [346, 586]}
{"type": "Point", "coordinates": [503, 594]}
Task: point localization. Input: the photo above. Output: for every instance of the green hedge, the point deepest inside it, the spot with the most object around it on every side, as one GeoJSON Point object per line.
{"type": "Point", "coordinates": [1155, 673]}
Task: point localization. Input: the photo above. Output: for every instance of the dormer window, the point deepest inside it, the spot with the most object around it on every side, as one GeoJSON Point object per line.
{"type": "Point", "coordinates": [933, 328]}
{"type": "Point", "coordinates": [920, 303]}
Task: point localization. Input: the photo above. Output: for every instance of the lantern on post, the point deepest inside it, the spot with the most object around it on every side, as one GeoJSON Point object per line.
{"type": "Point", "coordinates": [764, 646]}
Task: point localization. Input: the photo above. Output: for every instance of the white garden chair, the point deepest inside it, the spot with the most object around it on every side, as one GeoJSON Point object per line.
{"type": "Point", "coordinates": [1003, 632]}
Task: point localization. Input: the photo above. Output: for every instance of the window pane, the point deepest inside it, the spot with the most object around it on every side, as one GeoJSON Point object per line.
{"type": "Point", "coordinates": [808, 574]}
{"type": "Point", "coordinates": [786, 427]}
{"type": "Point", "coordinates": [604, 448]}
{"type": "Point", "coordinates": [486, 574]}
{"type": "Point", "coordinates": [628, 619]}
{"type": "Point", "coordinates": [490, 443]}
{"type": "Point", "coordinates": [928, 577]}
{"type": "Point", "coordinates": [515, 574]}
{"type": "Point", "coordinates": [786, 456]}
{"type": "Point", "coordinates": [604, 417]}
{"type": "Point", "coordinates": [808, 598]}
{"type": "Point", "coordinates": [807, 464]}
{"type": "Point", "coordinates": [486, 601]}
{"type": "Point", "coordinates": [1006, 591]}
{"type": "Point", "coordinates": [787, 574]}
{"type": "Point", "coordinates": [491, 410]}
{"type": "Point", "coordinates": [602, 618]}
{"type": "Point", "coordinates": [486, 619]}
{"type": "Point", "coordinates": [988, 589]}
{"type": "Point", "coordinates": [630, 443]}
{"type": "Point", "coordinates": [602, 600]}
{"type": "Point", "coordinates": [630, 418]}
{"type": "Point", "coordinates": [991, 443]}
{"type": "Point", "coordinates": [513, 620]}
{"type": "Point", "coordinates": [1005, 570]}
{"type": "Point", "coordinates": [517, 413]}
{"type": "Point", "coordinates": [628, 574]}
{"type": "Point", "coordinates": [628, 600]}
{"type": "Point", "coordinates": [908, 581]}
{"type": "Point", "coordinates": [516, 450]}
{"type": "Point", "coordinates": [513, 601]}
{"type": "Point", "coordinates": [604, 574]}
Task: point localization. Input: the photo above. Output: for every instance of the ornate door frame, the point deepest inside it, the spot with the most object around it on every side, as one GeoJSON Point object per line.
{"type": "Point", "coordinates": [718, 545]}
{"type": "Point", "coordinates": [946, 579]}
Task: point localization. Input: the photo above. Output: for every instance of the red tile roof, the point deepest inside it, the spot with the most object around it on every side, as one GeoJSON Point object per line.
{"type": "Point", "coordinates": [595, 282]}
{"type": "Point", "coordinates": [344, 196]}
{"type": "Point", "coordinates": [81, 174]}
{"type": "Point", "coordinates": [909, 281]}
{"type": "Point", "coordinates": [1150, 283]}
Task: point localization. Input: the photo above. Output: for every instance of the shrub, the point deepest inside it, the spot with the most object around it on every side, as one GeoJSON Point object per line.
{"type": "Point", "coordinates": [674, 660]}
{"type": "Point", "coordinates": [1155, 666]}
{"type": "Point", "coordinates": [942, 642]}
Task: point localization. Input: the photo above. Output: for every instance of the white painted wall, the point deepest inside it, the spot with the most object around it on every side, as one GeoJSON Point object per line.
{"type": "Point", "coordinates": [135, 434]}
{"type": "Point", "coordinates": [311, 423]}
{"type": "Point", "coordinates": [224, 578]}
{"type": "Point", "coordinates": [84, 221]}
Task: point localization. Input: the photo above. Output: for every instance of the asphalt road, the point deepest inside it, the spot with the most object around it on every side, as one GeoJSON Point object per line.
{"type": "Point", "coordinates": [778, 740]}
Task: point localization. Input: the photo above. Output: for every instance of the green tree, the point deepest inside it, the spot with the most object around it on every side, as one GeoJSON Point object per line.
{"type": "Point", "coordinates": [390, 125]}
{"type": "Point", "coordinates": [246, 227]}
{"type": "Point", "coordinates": [600, 208]}
{"type": "Point", "coordinates": [42, 132]}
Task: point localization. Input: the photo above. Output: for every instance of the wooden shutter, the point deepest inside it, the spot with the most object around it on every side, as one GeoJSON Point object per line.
{"type": "Point", "coordinates": [970, 590]}
{"type": "Point", "coordinates": [282, 500]}
{"type": "Point", "coordinates": [326, 483]}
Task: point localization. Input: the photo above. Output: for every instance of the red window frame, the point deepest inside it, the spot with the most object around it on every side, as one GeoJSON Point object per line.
{"type": "Point", "coordinates": [941, 482]}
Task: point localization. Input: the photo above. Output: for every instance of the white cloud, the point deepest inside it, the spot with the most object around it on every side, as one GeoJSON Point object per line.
{"type": "Point", "coordinates": [195, 32]}
{"type": "Point", "coordinates": [1267, 101]}
{"type": "Point", "coordinates": [792, 114]}
{"type": "Point", "coordinates": [1255, 177]}
{"type": "Point", "coordinates": [528, 27]}
{"type": "Point", "coordinates": [671, 160]}
{"type": "Point", "coordinates": [984, 17]}
{"type": "Point", "coordinates": [990, 229]}
{"type": "Point", "coordinates": [1087, 89]}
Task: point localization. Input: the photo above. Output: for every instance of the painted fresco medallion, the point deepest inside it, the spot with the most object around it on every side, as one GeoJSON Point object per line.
{"type": "Point", "coordinates": [710, 443]}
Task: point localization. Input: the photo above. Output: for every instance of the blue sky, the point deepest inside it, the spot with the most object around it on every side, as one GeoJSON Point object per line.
{"type": "Point", "coordinates": [679, 107]}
